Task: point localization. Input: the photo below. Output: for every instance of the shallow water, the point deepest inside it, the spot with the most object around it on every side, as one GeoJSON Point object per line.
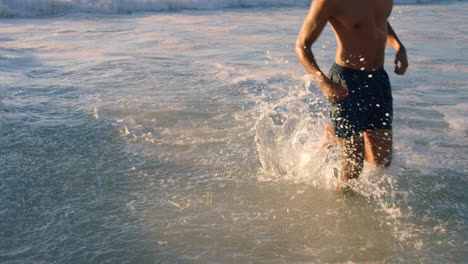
{"type": "Point", "coordinates": [192, 137]}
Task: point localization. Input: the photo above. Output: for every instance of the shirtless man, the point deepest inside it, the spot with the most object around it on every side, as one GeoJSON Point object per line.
{"type": "Point", "coordinates": [357, 87]}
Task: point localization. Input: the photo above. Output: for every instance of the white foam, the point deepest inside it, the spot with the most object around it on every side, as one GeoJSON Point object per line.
{"type": "Point", "coordinates": [28, 8]}
{"type": "Point", "coordinates": [455, 116]}
{"type": "Point", "coordinates": [47, 7]}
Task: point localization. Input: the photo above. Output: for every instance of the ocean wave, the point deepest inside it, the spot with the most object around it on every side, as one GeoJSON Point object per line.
{"type": "Point", "coordinates": [32, 8]}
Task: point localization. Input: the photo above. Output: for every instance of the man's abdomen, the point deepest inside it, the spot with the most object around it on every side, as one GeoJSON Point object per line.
{"type": "Point", "coordinates": [362, 49]}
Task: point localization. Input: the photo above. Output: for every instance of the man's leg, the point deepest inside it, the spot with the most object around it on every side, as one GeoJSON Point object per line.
{"type": "Point", "coordinates": [378, 147]}
{"type": "Point", "coordinates": [328, 137]}
{"type": "Point", "coordinates": [352, 160]}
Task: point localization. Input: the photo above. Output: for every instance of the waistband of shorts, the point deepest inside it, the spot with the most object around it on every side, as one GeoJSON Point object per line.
{"type": "Point", "coordinates": [340, 68]}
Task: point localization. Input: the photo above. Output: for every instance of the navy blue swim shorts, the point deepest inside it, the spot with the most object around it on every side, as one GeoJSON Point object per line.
{"type": "Point", "coordinates": [369, 105]}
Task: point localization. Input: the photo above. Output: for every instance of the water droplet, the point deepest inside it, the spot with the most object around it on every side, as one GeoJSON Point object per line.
{"type": "Point", "coordinates": [162, 243]}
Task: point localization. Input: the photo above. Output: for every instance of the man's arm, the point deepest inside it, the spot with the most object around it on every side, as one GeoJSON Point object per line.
{"type": "Point", "coordinates": [401, 60]}
{"type": "Point", "coordinates": [319, 13]}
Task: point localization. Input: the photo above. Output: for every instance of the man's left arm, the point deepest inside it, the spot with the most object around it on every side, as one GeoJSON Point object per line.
{"type": "Point", "coordinates": [401, 60]}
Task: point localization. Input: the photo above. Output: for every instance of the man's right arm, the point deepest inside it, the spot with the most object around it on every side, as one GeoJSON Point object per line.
{"type": "Point", "coordinates": [401, 59]}
{"type": "Point", "coordinates": [319, 13]}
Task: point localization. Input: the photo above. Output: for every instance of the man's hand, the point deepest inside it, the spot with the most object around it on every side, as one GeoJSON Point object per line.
{"type": "Point", "coordinates": [401, 61]}
{"type": "Point", "coordinates": [333, 91]}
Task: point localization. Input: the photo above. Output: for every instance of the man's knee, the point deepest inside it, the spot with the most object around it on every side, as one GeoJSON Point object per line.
{"type": "Point", "coordinates": [352, 168]}
{"type": "Point", "coordinates": [352, 156]}
{"type": "Point", "coordinates": [379, 161]}
{"type": "Point", "coordinates": [379, 148]}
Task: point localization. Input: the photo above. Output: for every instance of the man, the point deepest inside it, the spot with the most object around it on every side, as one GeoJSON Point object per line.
{"type": "Point", "coordinates": [358, 87]}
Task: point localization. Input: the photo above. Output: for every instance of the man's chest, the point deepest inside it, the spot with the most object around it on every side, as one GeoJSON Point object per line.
{"type": "Point", "coordinates": [359, 13]}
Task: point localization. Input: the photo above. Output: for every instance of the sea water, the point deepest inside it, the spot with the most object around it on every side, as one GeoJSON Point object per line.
{"type": "Point", "coordinates": [188, 132]}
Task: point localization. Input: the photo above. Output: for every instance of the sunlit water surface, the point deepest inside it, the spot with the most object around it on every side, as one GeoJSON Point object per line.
{"type": "Point", "coordinates": [192, 137]}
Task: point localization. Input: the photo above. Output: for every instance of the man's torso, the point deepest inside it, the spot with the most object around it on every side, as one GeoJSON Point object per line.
{"type": "Point", "coordinates": [361, 31]}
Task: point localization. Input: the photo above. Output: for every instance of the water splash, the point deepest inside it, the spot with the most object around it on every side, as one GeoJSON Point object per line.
{"type": "Point", "coordinates": [289, 132]}
{"type": "Point", "coordinates": [289, 136]}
